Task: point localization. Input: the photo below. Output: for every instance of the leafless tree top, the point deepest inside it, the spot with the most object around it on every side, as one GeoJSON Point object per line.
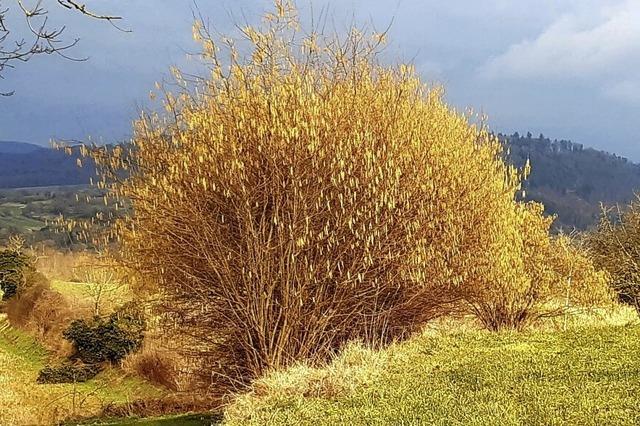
{"type": "Point", "coordinates": [29, 33]}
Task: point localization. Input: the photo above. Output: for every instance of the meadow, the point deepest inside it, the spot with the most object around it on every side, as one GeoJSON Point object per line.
{"type": "Point", "coordinates": [316, 237]}
{"type": "Point", "coordinates": [588, 374]}
{"type": "Point", "coordinates": [583, 371]}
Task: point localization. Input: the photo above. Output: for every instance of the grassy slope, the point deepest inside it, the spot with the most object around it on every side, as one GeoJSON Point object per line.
{"type": "Point", "coordinates": [78, 292]}
{"type": "Point", "coordinates": [25, 402]}
{"type": "Point", "coordinates": [587, 376]}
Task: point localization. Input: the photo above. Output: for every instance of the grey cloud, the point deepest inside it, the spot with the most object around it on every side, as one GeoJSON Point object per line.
{"type": "Point", "coordinates": [450, 42]}
{"type": "Point", "coordinates": [601, 47]}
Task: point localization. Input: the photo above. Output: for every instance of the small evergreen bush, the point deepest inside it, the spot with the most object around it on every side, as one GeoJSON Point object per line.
{"type": "Point", "coordinates": [13, 265]}
{"type": "Point", "coordinates": [68, 373]}
{"type": "Point", "coordinates": [101, 340]}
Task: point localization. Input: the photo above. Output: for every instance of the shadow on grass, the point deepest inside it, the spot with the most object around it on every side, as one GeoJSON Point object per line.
{"type": "Point", "coordinates": [180, 420]}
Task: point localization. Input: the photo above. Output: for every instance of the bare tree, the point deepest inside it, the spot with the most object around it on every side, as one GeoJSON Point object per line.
{"type": "Point", "coordinates": [105, 286]}
{"type": "Point", "coordinates": [19, 42]}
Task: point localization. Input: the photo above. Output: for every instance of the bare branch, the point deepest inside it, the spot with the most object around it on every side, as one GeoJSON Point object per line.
{"type": "Point", "coordinates": [42, 39]}
{"type": "Point", "coordinates": [70, 4]}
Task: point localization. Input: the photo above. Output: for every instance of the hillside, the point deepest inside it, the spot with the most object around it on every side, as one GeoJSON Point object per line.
{"type": "Point", "coordinates": [23, 401]}
{"type": "Point", "coordinates": [11, 147]}
{"type": "Point", "coordinates": [570, 180]}
{"type": "Point", "coordinates": [26, 165]}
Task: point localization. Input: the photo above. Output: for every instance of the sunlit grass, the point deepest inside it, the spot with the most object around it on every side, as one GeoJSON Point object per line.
{"type": "Point", "coordinates": [588, 374]}
{"type": "Point", "coordinates": [81, 290]}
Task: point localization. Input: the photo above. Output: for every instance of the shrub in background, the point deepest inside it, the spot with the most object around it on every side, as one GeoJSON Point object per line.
{"type": "Point", "coordinates": [615, 247]}
{"type": "Point", "coordinates": [41, 311]}
{"type": "Point", "coordinates": [30, 303]}
{"type": "Point", "coordinates": [155, 365]}
{"type": "Point", "coordinates": [583, 283]}
{"type": "Point", "coordinates": [107, 340]}
{"type": "Point", "coordinates": [20, 306]}
{"type": "Point", "coordinates": [552, 274]}
{"type": "Point", "coordinates": [96, 342]}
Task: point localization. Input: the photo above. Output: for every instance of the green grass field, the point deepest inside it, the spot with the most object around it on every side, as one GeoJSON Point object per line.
{"type": "Point", "coordinates": [12, 216]}
{"type": "Point", "coordinates": [584, 376]}
{"type": "Point", "coordinates": [113, 294]}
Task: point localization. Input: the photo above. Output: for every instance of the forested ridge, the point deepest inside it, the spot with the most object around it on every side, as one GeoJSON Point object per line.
{"type": "Point", "coordinates": [572, 180]}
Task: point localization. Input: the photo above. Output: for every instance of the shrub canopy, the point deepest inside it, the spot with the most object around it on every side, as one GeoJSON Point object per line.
{"type": "Point", "coordinates": [305, 195]}
{"type": "Point", "coordinates": [67, 373]}
{"type": "Point", "coordinates": [551, 275]}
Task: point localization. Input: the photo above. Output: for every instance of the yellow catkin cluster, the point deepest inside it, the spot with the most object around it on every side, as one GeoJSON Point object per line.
{"type": "Point", "coordinates": [305, 195]}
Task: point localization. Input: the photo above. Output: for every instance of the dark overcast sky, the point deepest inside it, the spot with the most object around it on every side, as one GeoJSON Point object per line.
{"type": "Point", "coordinates": [569, 69]}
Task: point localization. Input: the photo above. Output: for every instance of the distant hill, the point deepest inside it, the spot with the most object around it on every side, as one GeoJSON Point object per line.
{"type": "Point", "coordinates": [571, 180]}
{"type": "Point", "coordinates": [567, 178]}
{"type": "Point", "coordinates": [27, 165]}
{"type": "Point", "coordinates": [11, 147]}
